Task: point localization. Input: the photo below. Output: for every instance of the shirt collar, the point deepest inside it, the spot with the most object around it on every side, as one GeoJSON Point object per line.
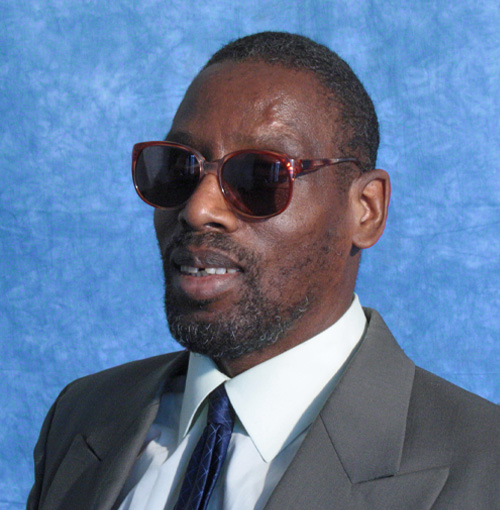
{"type": "Point", "coordinates": [278, 399]}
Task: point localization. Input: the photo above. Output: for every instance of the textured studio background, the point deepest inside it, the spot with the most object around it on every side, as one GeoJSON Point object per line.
{"type": "Point", "coordinates": [80, 277]}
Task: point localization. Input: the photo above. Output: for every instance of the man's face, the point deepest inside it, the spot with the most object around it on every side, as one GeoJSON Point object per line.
{"type": "Point", "coordinates": [279, 280]}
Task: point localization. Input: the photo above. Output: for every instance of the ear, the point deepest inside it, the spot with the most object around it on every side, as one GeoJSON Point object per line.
{"type": "Point", "coordinates": [369, 196]}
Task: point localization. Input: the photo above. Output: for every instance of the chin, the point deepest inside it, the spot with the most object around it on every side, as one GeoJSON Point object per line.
{"type": "Point", "coordinates": [220, 336]}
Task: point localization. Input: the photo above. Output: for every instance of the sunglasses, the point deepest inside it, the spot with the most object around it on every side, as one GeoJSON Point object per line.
{"type": "Point", "coordinates": [257, 184]}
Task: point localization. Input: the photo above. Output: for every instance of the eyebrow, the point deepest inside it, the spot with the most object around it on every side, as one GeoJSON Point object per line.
{"type": "Point", "coordinates": [185, 138]}
{"type": "Point", "coordinates": [182, 137]}
{"type": "Point", "coordinates": [287, 143]}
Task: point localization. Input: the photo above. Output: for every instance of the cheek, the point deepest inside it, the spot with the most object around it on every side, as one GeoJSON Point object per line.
{"type": "Point", "coordinates": [165, 223]}
{"type": "Point", "coordinates": [314, 241]}
{"type": "Point", "coordinates": [317, 217]}
{"type": "Point", "coordinates": [309, 253]}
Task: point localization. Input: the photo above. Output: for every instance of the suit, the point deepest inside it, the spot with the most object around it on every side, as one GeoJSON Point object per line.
{"type": "Point", "coordinates": [390, 436]}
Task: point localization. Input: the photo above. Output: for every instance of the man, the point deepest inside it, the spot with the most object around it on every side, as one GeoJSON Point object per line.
{"type": "Point", "coordinates": [266, 193]}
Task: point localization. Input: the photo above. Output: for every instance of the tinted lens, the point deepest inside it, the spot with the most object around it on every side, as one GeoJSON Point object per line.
{"type": "Point", "coordinates": [256, 184]}
{"type": "Point", "coordinates": [166, 176]}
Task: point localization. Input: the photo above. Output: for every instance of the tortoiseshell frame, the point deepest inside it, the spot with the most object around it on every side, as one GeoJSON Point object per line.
{"type": "Point", "coordinates": [295, 167]}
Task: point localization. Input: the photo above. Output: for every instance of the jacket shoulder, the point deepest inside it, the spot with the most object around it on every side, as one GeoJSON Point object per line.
{"type": "Point", "coordinates": [463, 414]}
{"type": "Point", "coordinates": [99, 397]}
{"type": "Point", "coordinates": [124, 376]}
{"type": "Point", "coordinates": [449, 426]}
{"type": "Point", "coordinates": [104, 401]}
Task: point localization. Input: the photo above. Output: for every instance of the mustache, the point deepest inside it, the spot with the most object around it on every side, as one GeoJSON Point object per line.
{"type": "Point", "coordinates": [215, 240]}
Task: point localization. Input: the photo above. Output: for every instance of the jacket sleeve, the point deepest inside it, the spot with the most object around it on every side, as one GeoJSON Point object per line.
{"type": "Point", "coordinates": [39, 457]}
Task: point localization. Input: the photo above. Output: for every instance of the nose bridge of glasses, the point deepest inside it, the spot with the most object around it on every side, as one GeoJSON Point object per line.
{"type": "Point", "coordinates": [207, 207]}
{"type": "Point", "coordinates": [211, 167]}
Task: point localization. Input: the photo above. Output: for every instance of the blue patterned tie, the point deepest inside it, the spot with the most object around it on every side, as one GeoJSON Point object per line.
{"type": "Point", "coordinates": [209, 454]}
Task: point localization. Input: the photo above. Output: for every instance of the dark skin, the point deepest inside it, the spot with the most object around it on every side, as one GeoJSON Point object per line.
{"type": "Point", "coordinates": [309, 253]}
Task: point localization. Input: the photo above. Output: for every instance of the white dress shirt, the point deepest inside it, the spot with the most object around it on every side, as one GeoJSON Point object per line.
{"type": "Point", "coordinates": [275, 403]}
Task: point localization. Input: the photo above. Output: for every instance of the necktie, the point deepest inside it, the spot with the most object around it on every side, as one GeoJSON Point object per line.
{"type": "Point", "coordinates": [209, 454]}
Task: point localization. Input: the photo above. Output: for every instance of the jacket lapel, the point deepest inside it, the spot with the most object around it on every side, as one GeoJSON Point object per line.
{"type": "Point", "coordinates": [98, 461]}
{"type": "Point", "coordinates": [351, 457]}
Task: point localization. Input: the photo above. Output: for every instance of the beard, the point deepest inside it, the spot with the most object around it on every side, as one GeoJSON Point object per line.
{"type": "Point", "coordinates": [254, 322]}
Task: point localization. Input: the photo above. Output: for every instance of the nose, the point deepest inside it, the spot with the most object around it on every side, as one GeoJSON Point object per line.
{"type": "Point", "coordinates": [207, 209]}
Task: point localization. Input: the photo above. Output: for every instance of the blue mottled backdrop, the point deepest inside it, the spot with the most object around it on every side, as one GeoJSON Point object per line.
{"type": "Point", "coordinates": [80, 277]}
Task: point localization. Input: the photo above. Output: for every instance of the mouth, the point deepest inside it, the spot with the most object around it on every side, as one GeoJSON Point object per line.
{"type": "Point", "coordinates": [206, 271]}
{"type": "Point", "coordinates": [203, 262]}
{"type": "Point", "coordinates": [204, 274]}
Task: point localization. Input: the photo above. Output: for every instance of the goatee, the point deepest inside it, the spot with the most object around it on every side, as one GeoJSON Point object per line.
{"type": "Point", "coordinates": [252, 323]}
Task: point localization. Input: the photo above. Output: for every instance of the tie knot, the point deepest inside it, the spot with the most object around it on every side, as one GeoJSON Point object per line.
{"type": "Point", "coordinates": [220, 410]}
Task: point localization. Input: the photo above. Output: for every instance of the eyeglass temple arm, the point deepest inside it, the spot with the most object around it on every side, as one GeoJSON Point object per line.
{"type": "Point", "coordinates": [307, 166]}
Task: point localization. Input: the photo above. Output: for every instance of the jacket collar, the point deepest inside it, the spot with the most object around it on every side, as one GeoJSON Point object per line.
{"type": "Point", "coordinates": [142, 408]}
{"type": "Point", "coordinates": [352, 453]}
{"type": "Point", "coordinates": [366, 414]}
{"type": "Point", "coordinates": [96, 465]}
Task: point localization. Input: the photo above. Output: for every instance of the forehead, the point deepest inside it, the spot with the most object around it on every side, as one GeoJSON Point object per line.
{"type": "Point", "coordinates": [254, 103]}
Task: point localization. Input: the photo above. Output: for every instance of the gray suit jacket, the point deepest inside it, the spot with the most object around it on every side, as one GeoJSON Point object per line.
{"type": "Point", "coordinates": [391, 436]}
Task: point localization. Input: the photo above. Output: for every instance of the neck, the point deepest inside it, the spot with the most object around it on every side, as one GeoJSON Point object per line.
{"type": "Point", "coordinates": [308, 328]}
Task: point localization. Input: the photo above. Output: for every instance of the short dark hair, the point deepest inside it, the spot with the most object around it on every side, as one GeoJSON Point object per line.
{"type": "Point", "coordinates": [299, 52]}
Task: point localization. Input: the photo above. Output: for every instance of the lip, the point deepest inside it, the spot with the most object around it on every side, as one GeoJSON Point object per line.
{"type": "Point", "coordinates": [201, 258]}
{"type": "Point", "coordinates": [207, 287]}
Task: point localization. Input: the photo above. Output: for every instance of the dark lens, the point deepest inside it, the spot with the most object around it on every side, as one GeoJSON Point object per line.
{"type": "Point", "coordinates": [166, 176]}
{"type": "Point", "coordinates": [256, 184]}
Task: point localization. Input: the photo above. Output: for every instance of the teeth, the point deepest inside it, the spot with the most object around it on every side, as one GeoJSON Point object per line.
{"type": "Point", "coordinates": [189, 269]}
{"type": "Point", "coordinates": [195, 271]}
